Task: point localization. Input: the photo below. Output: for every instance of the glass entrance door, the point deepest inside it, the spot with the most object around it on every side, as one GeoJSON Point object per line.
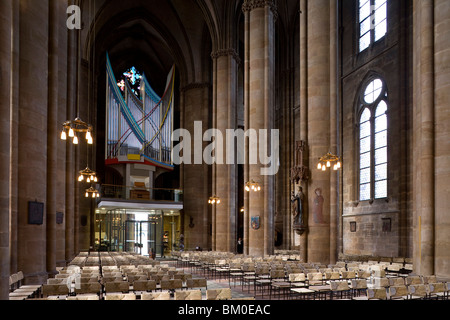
{"type": "Point", "coordinates": [139, 231]}
{"type": "Point", "coordinates": [140, 237]}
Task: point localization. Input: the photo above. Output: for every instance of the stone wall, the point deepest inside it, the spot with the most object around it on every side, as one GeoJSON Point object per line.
{"type": "Point", "coordinates": [388, 59]}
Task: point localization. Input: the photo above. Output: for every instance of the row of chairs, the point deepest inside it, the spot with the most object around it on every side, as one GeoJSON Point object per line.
{"type": "Point", "coordinates": [361, 289]}
{"type": "Point", "coordinates": [19, 291]}
{"type": "Point", "coordinates": [210, 294]}
{"type": "Point", "coordinates": [103, 259]}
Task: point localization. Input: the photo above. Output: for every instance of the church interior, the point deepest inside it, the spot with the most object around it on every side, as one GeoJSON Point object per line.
{"type": "Point", "coordinates": [224, 150]}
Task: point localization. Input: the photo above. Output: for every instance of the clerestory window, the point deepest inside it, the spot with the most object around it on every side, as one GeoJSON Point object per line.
{"type": "Point", "coordinates": [372, 22]}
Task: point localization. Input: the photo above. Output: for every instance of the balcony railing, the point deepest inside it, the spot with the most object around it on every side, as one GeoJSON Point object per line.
{"type": "Point", "coordinates": [109, 191]}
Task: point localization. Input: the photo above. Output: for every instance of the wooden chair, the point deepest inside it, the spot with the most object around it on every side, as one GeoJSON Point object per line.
{"type": "Point", "coordinates": [396, 281]}
{"type": "Point", "coordinates": [373, 294]}
{"type": "Point", "coordinates": [363, 274]}
{"type": "Point", "coordinates": [55, 290]}
{"type": "Point", "coordinates": [315, 278]}
{"type": "Point", "coordinates": [86, 288]}
{"type": "Point", "coordinates": [120, 296]}
{"type": "Point", "coordinates": [156, 296]}
{"type": "Point", "coordinates": [265, 276]}
{"type": "Point", "coordinates": [437, 290]}
{"type": "Point", "coordinates": [418, 291]}
{"type": "Point", "coordinates": [330, 276]}
{"type": "Point", "coordinates": [339, 289]}
{"type": "Point", "coordinates": [398, 293]}
{"type": "Point", "coordinates": [196, 283]}
{"type": "Point", "coordinates": [235, 271]}
{"type": "Point", "coordinates": [171, 284]}
{"type": "Point", "coordinates": [380, 282]}
{"type": "Point", "coordinates": [56, 281]}
{"type": "Point", "coordinates": [117, 286]}
{"type": "Point", "coordinates": [429, 279]}
{"type": "Point", "coordinates": [84, 297]}
{"type": "Point", "coordinates": [411, 280]}
{"type": "Point", "coordinates": [188, 295]}
{"type": "Point", "coordinates": [359, 286]}
{"type": "Point", "coordinates": [144, 285]}
{"type": "Point", "coordinates": [218, 294]}
{"type": "Point", "coordinates": [377, 294]}
{"type": "Point", "coordinates": [348, 275]}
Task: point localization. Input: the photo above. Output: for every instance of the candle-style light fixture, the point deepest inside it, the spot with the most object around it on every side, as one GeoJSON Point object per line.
{"type": "Point", "coordinates": [92, 193]}
{"type": "Point", "coordinates": [253, 186]}
{"type": "Point", "coordinates": [88, 174]}
{"type": "Point", "coordinates": [214, 200]}
{"type": "Point", "coordinates": [327, 160]}
{"type": "Point", "coordinates": [73, 128]}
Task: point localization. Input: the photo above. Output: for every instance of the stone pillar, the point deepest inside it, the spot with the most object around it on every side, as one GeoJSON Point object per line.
{"type": "Point", "coordinates": [424, 163]}
{"type": "Point", "coordinates": [52, 133]}
{"type": "Point", "coordinates": [259, 68]}
{"type": "Point", "coordinates": [6, 11]}
{"type": "Point", "coordinates": [61, 146]}
{"type": "Point", "coordinates": [442, 141]}
{"type": "Point", "coordinates": [69, 216]}
{"type": "Point", "coordinates": [334, 187]}
{"type": "Point", "coordinates": [14, 138]}
{"type": "Point", "coordinates": [224, 173]}
{"type": "Point", "coordinates": [318, 117]}
{"type": "Point", "coordinates": [303, 241]}
{"type": "Point", "coordinates": [32, 140]}
{"type": "Point", "coordinates": [196, 175]}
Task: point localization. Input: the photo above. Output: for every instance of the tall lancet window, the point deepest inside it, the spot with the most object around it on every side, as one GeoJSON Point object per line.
{"type": "Point", "coordinates": [373, 141]}
{"type": "Point", "coordinates": [372, 22]}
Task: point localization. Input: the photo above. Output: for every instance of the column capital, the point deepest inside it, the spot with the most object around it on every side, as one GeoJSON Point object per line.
{"type": "Point", "coordinates": [226, 52]}
{"type": "Point", "coordinates": [249, 5]}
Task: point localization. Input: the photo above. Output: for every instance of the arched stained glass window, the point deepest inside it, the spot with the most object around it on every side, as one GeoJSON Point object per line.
{"type": "Point", "coordinates": [373, 142]}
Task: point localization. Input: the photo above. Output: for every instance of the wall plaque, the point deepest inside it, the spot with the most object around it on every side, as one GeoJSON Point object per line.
{"type": "Point", "coordinates": [35, 212]}
{"type": "Point", "coordinates": [386, 226]}
{"type": "Point", "coordinates": [59, 218]}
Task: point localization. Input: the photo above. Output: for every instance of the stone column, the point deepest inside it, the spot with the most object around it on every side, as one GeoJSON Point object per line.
{"type": "Point", "coordinates": [224, 173]}
{"type": "Point", "coordinates": [318, 117]}
{"type": "Point", "coordinates": [196, 174]}
{"type": "Point", "coordinates": [69, 216]}
{"type": "Point", "coordinates": [442, 141]}
{"type": "Point", "coordinates": [52, 133]}
{"type": "Point", "coordinates": [32, 140]}
{"type": "Point", "coordinates": [14, 138]}
{"type": "Point", "coordinates": [334, 187]}
{"type": "Point", "coordinates": [259, 103]}
{"type": "Point", "coordinates": [303, 241]}
{"type": "Point", "coordinates": [61, 146]}
{"type": "Point", "coordinates": [6, 11]}
{"type": "Point", "coordinates": [424, 163]}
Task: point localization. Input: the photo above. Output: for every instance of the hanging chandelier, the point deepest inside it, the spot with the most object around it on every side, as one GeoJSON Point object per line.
{"type": "Point", "coordinates": [91, 176]}
{"type": "Point", "coordinates": [72, 128]}
{"type": "Point", "coordinates": [327, 160]}
{"type": "Point", "coordinates": [92, 192]}
{"type": "Point", "coordinates": [252, 185]}
{"type": "Point", "coordinates": [214, 200]}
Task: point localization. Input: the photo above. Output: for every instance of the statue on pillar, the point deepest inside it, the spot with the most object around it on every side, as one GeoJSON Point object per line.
{"type": "Point", "coordinates": [299, 173]}
{"type": "Point", "coordinates": [298, 208]}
